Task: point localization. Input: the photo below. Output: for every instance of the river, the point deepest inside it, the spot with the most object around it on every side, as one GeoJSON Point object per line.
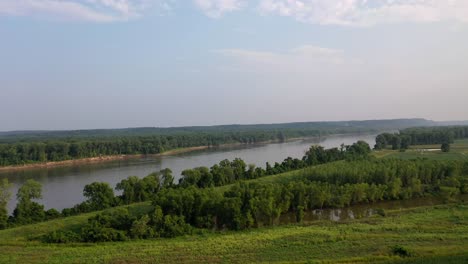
{"type": "Point", "coordinates": [62, 187]}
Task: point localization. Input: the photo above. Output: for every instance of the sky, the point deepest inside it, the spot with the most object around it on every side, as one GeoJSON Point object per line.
{"type": "Point", "coordinates": [80, 64]}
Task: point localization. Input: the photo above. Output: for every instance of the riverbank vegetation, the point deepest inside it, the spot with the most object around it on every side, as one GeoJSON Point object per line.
{"type": "Point", "coordinates": [421, 136]}
{"type": "Point", "coordinates": [20, 148]}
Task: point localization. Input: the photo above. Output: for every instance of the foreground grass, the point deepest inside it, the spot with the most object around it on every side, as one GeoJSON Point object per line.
{"type": "Point", "coordinates": [431, 234]}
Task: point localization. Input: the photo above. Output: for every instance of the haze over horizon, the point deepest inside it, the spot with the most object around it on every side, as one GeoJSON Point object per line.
{"type": "Point", "coordinates": [451, 122]}
{"type": "Point", "coordinates": [79, 64]}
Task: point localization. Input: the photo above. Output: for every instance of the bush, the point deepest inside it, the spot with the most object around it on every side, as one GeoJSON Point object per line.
{"type": "Point", "coordinates": [52, 214]}
{"type": "Point", "coordinates": [445, 147]}
{"type": "Point", "coordinates": [401, 251]}
{"type": "Point", "coordinates": [61, 237]}
{"type": "Point", "coordinates": [381, 212]}
{"type": "Point", "coordinates": [175, 226]}
{"type": "Point", "coordinates": [140, 228]}
{"type": "Point", "coordinates": [101, 234]}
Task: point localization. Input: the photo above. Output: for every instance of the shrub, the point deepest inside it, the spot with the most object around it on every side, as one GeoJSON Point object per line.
{"type": "Point", "coordinates": [52, 214]}
{"type": "Point", "coordinates": [381, 212]}
{"type": "Point", "coordinates": [175, 226]}
{"type": "Point", "coordinates": [445, 147]}
{"type": "Point", "coordinates": [140, 228]}
{"type": "Point", "coordinates": [401, 251]}
{"type": "Point", "coordinates": [101, 234]}
{"type": "Point", "coordinates": [61, 237]}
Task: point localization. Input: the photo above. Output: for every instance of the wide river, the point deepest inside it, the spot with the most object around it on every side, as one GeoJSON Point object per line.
{"type": "Point", "coordinates": [62, 187]}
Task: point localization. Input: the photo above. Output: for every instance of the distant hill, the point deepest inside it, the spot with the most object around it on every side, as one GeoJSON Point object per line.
{"type": "Point", "coordinates": [334, 126]}
{"type": "Point", "coordinates": [452, 123]}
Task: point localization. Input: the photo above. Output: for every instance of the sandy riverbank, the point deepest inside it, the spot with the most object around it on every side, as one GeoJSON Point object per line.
{"type": "Point", "coordinates": [96, 159]}
{"type": "Point", "coordinates": [124, 157]}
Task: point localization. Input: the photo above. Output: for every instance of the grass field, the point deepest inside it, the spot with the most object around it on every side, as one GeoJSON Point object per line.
{"type": "Point", "coordinates": [358, 241]}
{"type": "Point", "coordinates": [459, 151]}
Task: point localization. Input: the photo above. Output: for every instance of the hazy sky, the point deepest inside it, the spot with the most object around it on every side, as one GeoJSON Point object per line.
{"type": "Point", "coordinates": [70, 64]}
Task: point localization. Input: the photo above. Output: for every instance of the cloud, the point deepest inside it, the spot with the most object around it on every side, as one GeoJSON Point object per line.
{"type": "Point", "coordinates": [216, 8]}
{"type": "Point", "coordinates": [322, 12]}
{"type": "Point", "coordinates": [367, 12]}
{"type": "Point", "coordinates": [77, 10]}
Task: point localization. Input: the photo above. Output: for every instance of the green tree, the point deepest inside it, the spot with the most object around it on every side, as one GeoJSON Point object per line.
{"type": "Point", "coordinates": [100, 195]}
{"type": "Point", "coordinates": [128, 187]}
{"type": "Point", "coordinates": [27, 211]}
{"type": "Point", "coordinates": [445, 147]}
{"type": "Point", "coordinates": [5, 195]}
{"type": "Point", "coordinates": [167, 178]}
{"type": "Point", "coordinates": [360, 149]}
{"type": "Point", "coordinates": [30, 190]}
{"type": "Point", "coordinates": [140, 228]}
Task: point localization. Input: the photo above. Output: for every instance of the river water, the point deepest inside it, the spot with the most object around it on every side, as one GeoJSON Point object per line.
{"type": "Point", "coordinates": [62, 187]}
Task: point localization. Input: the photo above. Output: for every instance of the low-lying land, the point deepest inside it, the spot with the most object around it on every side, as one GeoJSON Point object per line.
{"type": "Point", "coordinates": [402, 236]}
{"type": "Point", "coordinates": [458, 151]}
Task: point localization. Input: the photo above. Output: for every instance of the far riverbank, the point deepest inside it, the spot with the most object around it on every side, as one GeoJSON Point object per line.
{"type": "Point", "coordinates": [102, 159]}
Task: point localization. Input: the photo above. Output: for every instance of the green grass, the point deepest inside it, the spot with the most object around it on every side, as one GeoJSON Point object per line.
{"type": "Point", "coordinates": [409, 154]}
{"type": "Point", "coordinates": [432, 235]}
{"type": "Point", "coordinates": [459, 151]}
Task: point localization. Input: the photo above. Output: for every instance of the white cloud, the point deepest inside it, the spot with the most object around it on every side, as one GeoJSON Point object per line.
{"type": "Point", "coordinates": [367, 12]}
{"type": "Point", "coordinates": [323, 12]}
{"type": "Point", "coordinates": [216, 8]}
{"type": "Point", "coordinates": [80, 10]}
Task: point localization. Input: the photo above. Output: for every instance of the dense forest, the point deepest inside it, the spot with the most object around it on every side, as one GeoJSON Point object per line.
{"type": "Point", "coordinates": [421, 136]}
{"type": "Point", "coordinates": [19, 148]}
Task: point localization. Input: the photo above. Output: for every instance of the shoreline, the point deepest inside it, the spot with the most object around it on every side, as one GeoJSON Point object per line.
{"type": "Point", "coordinates": [103, 159]}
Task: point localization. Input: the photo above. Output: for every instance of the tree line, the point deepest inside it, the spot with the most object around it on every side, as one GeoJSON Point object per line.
{"type": "Point", "coordinates": [247, 204]}
{"type": "Point", "coordinates": [228, 172]}
{"type": "Point", "coordinates": [50, 150]}
{"type": "Point", "coordinates": [26, 147]}
{"type": "Point", "coordinates": [421, 136]}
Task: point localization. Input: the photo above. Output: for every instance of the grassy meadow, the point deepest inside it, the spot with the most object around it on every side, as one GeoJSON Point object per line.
{"type": "Point", "coordinates": [368, 240]}
{"type": "Point", "coordinates": [458, 151]}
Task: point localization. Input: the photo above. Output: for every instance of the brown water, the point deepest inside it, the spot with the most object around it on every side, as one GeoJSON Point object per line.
{"type": "Point", "coordinates": [63, 186]}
